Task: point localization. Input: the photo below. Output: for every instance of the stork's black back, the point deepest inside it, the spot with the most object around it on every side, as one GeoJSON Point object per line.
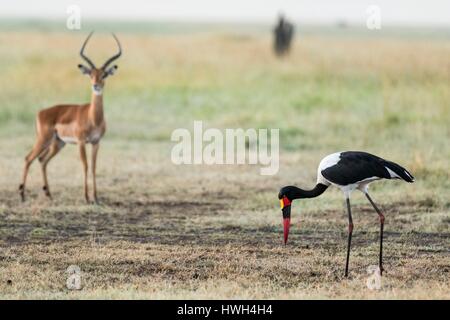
{"type": "Point", "coordinates": [356, 166]}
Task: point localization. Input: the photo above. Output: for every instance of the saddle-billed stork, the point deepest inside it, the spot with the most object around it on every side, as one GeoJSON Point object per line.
{"type": "Point", "coordinates": [348, 171]}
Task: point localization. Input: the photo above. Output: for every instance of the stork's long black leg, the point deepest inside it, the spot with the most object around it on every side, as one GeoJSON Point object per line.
{"type": "Point", "coordinates": [381, 231]}
{"type": "Point", "coordinates": [350, 231]}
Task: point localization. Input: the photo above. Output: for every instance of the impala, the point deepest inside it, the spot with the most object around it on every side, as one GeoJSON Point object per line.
{"type": "Point", "coordinates": [70, 123]}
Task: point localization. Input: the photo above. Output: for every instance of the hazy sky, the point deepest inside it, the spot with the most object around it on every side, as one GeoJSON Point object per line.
{"type": "Point", "coordinates": [409, 12]}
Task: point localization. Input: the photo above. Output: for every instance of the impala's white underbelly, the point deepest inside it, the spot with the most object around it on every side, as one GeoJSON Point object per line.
{"type": "Point", "coordinates": [71, 140]}
{"type": "Point", "coordinates": [66, 132]}
{"type": "Point", "coordinates": [93, 137]}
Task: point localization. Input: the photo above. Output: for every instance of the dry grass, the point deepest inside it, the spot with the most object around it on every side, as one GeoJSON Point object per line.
{"type": "Point", "coordinates": [164, 231]}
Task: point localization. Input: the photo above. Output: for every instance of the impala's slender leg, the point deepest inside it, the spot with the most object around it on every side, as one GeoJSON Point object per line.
{"type": "Point", "coordinates": [95, 148]}
{"type": "Point", "coordinates": [39, 147]}
{"type": "Point", "coordinates": [350, 231]}
{"type": "Point", "coordinates": [82, 147]}
{"type": "Point", "coordinates": [54, 148]}
{"type": "Point", "coordinates": [43, 154]}
{"type": "Point", "coordinates": [381, 216]}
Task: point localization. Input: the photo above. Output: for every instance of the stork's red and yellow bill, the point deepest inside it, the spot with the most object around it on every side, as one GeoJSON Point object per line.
{"type": "Point", "coordinates": [285, 204]}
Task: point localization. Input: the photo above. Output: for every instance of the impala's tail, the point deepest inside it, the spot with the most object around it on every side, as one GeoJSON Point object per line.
{"type": "Point", "coordinates": [397, 171]}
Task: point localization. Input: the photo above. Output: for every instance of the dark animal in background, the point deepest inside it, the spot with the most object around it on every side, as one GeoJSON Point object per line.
{"type": "Point", "coordinates": [283, 32]}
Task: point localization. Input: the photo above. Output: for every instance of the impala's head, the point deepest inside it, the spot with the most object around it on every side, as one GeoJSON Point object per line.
{"type": "Point", "coordinates": [98, 75]}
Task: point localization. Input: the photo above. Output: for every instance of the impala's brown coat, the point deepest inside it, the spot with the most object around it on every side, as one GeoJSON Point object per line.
{"type": "Point", "coordinates": [69, 123]}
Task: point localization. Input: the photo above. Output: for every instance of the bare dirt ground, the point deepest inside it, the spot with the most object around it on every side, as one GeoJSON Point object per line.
{"type": "Point", "coordinates": [160, 238]}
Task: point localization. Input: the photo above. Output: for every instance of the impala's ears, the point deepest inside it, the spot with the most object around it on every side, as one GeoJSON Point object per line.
{"type": "Point", "coordinates": [84, 70]}
{"type": "Point", "coordinates": [110, 71]}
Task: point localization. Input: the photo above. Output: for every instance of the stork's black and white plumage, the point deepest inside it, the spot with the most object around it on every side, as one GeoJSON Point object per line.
{"type": "Point", "coordinates": [348, 171]}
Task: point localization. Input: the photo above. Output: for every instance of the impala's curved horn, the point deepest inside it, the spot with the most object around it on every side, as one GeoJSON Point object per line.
{"type": "Point", "coordinates": [89, 62]}
{"type": "Point", "coordinates": [114, 57]}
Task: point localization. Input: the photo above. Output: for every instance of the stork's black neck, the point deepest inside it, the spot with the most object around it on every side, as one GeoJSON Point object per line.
{"type": "Point", "coordinates": [292, 192]}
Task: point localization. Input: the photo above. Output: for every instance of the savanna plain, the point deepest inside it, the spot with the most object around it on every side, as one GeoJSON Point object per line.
{"type": "Point", "coordinates": [165, 231]}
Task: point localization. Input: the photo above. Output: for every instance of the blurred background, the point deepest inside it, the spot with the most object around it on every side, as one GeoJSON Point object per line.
{"type": "Point", "coordinates": [344, 83]}
{"type": "Point", "coordinates": [401, 12]}
{"type": "Point", "coordinates": [356, 75]}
